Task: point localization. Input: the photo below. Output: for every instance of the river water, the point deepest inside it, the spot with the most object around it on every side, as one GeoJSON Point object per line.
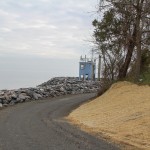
{"type": "Point", "coordinates": [29, 72]}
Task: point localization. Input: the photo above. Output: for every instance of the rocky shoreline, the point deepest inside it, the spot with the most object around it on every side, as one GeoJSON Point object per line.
{"type": "Point", "coordinates": [54, 87]}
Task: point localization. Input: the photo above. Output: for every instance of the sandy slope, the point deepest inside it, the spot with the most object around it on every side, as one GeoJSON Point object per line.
{"type": "Point", "coordinates": [121, 114]}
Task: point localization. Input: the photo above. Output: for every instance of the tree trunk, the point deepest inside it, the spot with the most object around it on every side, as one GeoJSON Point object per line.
{"type": "Point", "coordinates": [138, 58]}
{"type": "Point", "coordinates": [138, 41]}
{"type": "Point", "coordinates": [124, 68]}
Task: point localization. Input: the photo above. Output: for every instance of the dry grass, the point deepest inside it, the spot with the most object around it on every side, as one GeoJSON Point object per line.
{"type": "Point", "coordinates": [121, 114]}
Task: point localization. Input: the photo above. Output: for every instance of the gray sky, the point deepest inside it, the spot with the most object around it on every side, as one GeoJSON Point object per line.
{"type": "Point", "coordinates": [42, 38]}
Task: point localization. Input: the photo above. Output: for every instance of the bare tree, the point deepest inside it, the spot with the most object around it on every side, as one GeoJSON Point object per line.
{"type": "Point", "coordinates": [122, 34]}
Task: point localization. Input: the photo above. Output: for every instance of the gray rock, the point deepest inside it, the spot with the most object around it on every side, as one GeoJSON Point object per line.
{"type": "Point", "coordinates": [52, 88]}
{"type": "Point", "coordinates": [5, 102]}
{"type": "Point", "coordinates": [1, 93]}
{"type": "Point", "coordinates": [2, 97]}
{"type": "Point", "coordinates": [62, 89]}
{"type": "Point", "coordinates": [30, 93]}
{"type": "Point", "coordinates": [22, 97]}
{"type": "Point", "coordinates": [1, 101]}
{"type": "Point", "coordinates": [5, 105]}
{"type": "Point", "coordinates": [14, 96]}
{"type": "Point", "coordinates": [36, 96]}
{"type": "Point", "coordinates": [7, 97]}
{"type": "Point", "coordinates": [42, 90]}
{"type": "Point", "coordinates": [1, 105]}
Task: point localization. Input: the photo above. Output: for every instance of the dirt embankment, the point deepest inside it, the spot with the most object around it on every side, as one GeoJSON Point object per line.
{"type": "Point", "coordinates": [122, 114]}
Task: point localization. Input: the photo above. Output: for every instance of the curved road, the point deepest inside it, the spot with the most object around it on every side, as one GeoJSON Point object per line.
{"type": "Point", "coordinates": [39, 125]}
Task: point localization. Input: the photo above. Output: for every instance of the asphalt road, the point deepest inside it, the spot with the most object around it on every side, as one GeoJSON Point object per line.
{"type": "Point", "coordinates": [39, 125]}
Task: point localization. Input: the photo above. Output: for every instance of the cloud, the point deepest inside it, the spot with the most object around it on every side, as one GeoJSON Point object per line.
{"type": "Point", "coordinates": [49, 28]}
{"type": "Point", "coordinates": [35, 25]}
{"type": "Point", "coordinates": [8, 14]}
{"type": "Point", "coordinates": [4, 29]}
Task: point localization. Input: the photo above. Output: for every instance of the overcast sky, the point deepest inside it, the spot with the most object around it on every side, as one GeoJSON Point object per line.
{"type": "Point", "coordinates": [41, 35]}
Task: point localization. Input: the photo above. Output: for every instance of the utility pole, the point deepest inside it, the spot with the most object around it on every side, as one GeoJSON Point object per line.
{"type": "Point", "coordinates": [92, 64]}
{"type": "Point", "coordinates": [99, 67]}
{"type": "Point", "coordinates": [92, 54]}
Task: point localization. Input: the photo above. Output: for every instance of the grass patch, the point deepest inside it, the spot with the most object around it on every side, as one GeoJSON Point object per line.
{"type": "Point", "coordinates": [145, 77]}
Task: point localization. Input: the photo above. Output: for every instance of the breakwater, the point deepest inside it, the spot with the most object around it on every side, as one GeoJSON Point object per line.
{"type": "Point", "coordinates": [54, 87]}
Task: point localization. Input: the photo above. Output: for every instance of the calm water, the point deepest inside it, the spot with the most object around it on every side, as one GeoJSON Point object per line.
{"type": "Point", "coordinates": [17, 72]}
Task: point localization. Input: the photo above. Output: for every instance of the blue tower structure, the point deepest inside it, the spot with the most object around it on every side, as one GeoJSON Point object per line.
{"type": "Point", "coordinates": [87, 69]}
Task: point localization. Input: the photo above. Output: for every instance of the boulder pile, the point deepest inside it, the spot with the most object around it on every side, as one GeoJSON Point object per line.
{"type": "Point", "coordinates": [55, 87]}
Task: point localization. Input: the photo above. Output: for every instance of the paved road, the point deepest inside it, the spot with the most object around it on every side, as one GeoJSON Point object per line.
{"type": "Point", "coordinates": [39, 125]}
